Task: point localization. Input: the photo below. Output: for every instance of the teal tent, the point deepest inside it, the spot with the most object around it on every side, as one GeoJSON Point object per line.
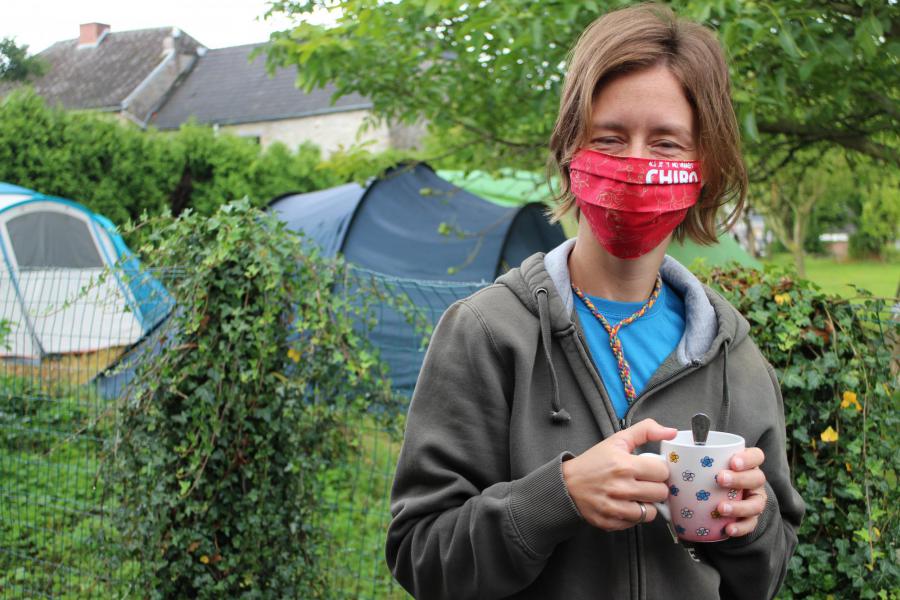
{"type": "Point", "coordinates": [54, 288]}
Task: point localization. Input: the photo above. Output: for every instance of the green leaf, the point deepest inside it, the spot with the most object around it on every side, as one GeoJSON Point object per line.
{"type": "Point", "coordinates": [806, 70]}
{"type": "Point", "coordinates": [431, 7]}
{"type": "Point", "coordinates": [537, 32]}
{"type": "Point", "coordinates": [750, 125]}
{"type": "Point", "coordinates": [787, 43]}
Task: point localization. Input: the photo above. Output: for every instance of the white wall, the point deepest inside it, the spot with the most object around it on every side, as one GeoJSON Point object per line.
{"type": "Point", "coordinates": [327, 131]}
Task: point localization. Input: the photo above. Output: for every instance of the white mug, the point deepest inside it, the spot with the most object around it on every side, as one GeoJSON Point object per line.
{"type": "Point", "coordinates": [694, 491]}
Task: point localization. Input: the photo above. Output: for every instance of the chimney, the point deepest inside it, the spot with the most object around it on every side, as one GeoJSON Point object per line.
{"type": "Point", "coordinates": [91, 34]}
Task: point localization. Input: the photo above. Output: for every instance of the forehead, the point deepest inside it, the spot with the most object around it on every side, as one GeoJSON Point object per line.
{"type": "Point", "coordinates": [648, 97]}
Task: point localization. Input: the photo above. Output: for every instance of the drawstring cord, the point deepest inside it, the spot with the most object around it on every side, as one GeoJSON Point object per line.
{"type": "Point", "coordinates": [558, 414]}
{"type": "Point", "coordinates": [726, 399]}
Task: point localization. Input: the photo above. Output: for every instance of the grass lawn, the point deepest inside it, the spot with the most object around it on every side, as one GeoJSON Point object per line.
{"type": "Point", "coordinates": [356, 502]}
{"type": "Point", "coordinates": [54, 529]}
{"type": "Point", "coordinates": [880, 278]}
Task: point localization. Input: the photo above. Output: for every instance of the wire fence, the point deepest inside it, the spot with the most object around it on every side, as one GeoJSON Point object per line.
{"type": "Point", "coordinates": [60, 328]}
{"type": "Point", "coordinates": [356, 504]}
{"type": "Point", "coordinates": [73, 341]}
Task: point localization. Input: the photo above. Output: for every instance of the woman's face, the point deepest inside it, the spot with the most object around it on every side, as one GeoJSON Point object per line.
{"type": "Point", "coordinates": [644, 114]}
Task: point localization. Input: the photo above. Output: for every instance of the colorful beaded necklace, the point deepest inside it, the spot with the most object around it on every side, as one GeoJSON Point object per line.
{"type": "Point", "coordinates": [614, 342]}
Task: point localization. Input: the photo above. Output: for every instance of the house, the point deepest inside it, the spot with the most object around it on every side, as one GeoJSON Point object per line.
{"type": "Point", "coordinates": [163, 78]}
{"type": "Point", "coordinates": [230, 89]}
{"type": "Point", "coordinates": [127, 73]}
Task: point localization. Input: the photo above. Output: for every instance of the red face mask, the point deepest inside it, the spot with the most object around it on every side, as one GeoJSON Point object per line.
{"type": "Point", "coordinates": [632, 204]}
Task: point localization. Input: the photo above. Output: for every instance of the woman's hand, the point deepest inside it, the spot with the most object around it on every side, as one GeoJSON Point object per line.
{"type": "Point", "coordinates": [607, 481]}
{"type": "Point", "coordinates": [746, 475]}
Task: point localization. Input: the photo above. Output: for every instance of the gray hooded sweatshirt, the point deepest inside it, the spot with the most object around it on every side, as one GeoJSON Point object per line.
{"type": "Point", "coordinates": [508, 390]}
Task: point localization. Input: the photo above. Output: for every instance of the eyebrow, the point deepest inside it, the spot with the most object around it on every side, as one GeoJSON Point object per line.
{"type": "Point", "coordinates": [665, 128]}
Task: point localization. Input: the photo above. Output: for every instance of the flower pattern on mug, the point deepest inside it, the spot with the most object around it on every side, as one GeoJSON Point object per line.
{"type": "Point", "coordinates": [702, 495]}
{"type": "Point", "coordinates": [687, 476]}
{"type": "Point", "coordinates": [715, 514]}
{"type": "Point", "coordinates": [732, 494]}
{"type": "Point", "coordinates": [673, 490]}
{"type": "Point", "coordinates": [687, 513]}
{"type": "Point", "coordinates": [679, 529]}
{"type": "Point", "coordinates": [702, 531]}
{"type": "Point", "coordinates": [673, 457]}
{"type": "Point", "coordinates": [706, 461]}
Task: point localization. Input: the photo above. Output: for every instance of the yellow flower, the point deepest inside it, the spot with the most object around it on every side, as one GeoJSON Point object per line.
{"type": "Point", "coordinates": [782, 299]}
{"type": "Point", "coordinates": [829, 435]}
{"type": "Point", "coordinates": [850, 398]}
{"type": "Point", "coordinates": [848, 467]}
{"type": "Point", "coordinates": [294, 355]}
{"type": "Point", "coordinates": [204, 559]}
{"type": "Point", "coordinates": [673, 457]}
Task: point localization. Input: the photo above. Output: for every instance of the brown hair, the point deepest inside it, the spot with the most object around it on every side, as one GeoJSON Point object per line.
{"type": "Point", "coordinates": [639, 37]}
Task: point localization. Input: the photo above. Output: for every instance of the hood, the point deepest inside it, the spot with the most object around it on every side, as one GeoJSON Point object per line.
{"type": "Point", "coordinates": [712, 325]}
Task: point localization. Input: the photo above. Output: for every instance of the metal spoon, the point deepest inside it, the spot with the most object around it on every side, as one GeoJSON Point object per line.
{"type": "Point", "coordinates": [700, 428]}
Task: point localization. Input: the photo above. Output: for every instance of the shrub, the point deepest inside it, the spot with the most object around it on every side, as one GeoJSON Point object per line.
{"type": "Point", "coordinates": [121, 171]}
{"type": "Point", "coordinates": [834, 362]}
{"type": "Point", "coordinates": [224, 440]}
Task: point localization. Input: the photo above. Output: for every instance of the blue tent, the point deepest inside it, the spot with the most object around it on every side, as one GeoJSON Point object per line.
{"type": "Point", "coordinates": [53, 291]}
{"type": "Point", "coordinates": [411, 223]}
{"type": "Point", "coordinates": [423, 236]}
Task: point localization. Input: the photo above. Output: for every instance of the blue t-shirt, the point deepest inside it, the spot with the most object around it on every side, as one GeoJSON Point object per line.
{"type": "Point", "coordinates": [646, 342]}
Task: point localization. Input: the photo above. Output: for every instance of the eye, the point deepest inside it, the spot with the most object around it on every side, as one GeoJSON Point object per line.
{"type": "Point", "coordinates": [605, 140]}
{"type": "Point", "coordinates": [668, 145]}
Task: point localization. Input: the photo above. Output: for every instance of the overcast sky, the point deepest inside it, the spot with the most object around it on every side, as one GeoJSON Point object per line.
{"type": "Point", "coordinates": [214, 23]}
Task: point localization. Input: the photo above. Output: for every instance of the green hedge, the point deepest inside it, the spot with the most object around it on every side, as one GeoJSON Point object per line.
{"type": "Point", "coordinates": [836, 361]}
{"type": "Point", "coordinates": [120, 171]}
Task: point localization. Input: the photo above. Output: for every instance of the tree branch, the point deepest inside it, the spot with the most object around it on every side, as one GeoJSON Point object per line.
{"type": "Point", "coordinates": [767, 173]}
{"type": "Point", "coordinates": [886, 104]}
{"type": "Point", "coordinates": [489, 136]}
{"type": "Point", "coordinates": [851, 140]}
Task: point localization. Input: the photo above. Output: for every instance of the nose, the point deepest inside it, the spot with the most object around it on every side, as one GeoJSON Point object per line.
{"type": "Point", "coordinates": [638, 148]}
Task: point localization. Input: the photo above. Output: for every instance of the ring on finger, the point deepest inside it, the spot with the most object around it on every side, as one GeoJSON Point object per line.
{"type": "Point", "coordinates": [643, 508]}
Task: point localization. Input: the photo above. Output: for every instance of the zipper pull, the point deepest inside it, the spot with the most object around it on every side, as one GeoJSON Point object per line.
{"type": "Point", "coordinates": [622, 423]}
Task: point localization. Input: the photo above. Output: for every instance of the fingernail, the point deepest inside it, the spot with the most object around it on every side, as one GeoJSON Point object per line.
{"type": "Point", "coordinates": [732, 530]}
{"type": "Point", "coordinates": [725, 477]}
{"type": "Point", "coordinates": [726, 509]}
{"type": "Point", "coordinates": [738, 463]}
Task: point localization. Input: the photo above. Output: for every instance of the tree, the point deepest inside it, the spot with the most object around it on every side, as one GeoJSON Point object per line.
{"type": "Point", "coordinates": [16, 65]}
{"type": "Point", "coordinates": [789, 197]}
{"type": "Point", "coordinates": [487, 75]}
{"type": "Point", "coordinates": [879, 217]}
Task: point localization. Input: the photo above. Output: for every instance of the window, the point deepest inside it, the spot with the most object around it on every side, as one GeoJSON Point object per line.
{"type": "Point", "coordinates": [42, 240]}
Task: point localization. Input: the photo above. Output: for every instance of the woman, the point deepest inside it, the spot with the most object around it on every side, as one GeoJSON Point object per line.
{"type": "Point", "coordinates": [518, 475]}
